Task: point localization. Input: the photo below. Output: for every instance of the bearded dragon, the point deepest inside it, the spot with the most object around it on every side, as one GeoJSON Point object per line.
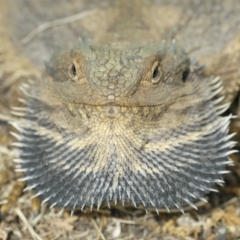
{"type": "Point", "coordinates": [129, 116]}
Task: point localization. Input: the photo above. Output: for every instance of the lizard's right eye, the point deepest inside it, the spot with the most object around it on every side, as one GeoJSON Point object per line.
{"type": "Point", "coordinates": [185, 74]}
{"type": "Point", "coordinates": [72, 70]}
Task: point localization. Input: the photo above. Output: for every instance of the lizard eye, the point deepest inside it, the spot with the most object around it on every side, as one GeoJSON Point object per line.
{"type": "Point", "coordinates": [185, 74]}
{"type": "Point", "coordinates": [156, 73]}
{"type": "Point", "coordinates": [72, 70]}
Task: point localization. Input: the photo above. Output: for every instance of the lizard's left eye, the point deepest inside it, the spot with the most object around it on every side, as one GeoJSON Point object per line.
{"type": "Point", "coordinates": [72, 70]}
{"type": "Point", "coordinates": [156, 73]}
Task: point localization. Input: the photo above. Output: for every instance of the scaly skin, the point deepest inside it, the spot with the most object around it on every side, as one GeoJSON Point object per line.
{"type": "Point", "coordinates": [124, 119]}
{"type": "Point", "coordinates": [106, 124]}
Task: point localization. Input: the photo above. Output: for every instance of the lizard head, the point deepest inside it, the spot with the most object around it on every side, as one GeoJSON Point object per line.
{"type": "Point", "coordinates": [130, 76]}
{"type": "Point", "coordinates": [129, 124]}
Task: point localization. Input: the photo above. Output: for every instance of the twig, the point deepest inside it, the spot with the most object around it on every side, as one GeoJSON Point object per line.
{"type": "Point", "coordinates": [125, 221]}
{"type": "Point", "coordinates": [229, 202]}
{"type": "Point", "coordinates": [54, 23]}
{"type": "Point", "coordinates": [97, 228]}
{"type": "Point", "coordinates": [20, 214]}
